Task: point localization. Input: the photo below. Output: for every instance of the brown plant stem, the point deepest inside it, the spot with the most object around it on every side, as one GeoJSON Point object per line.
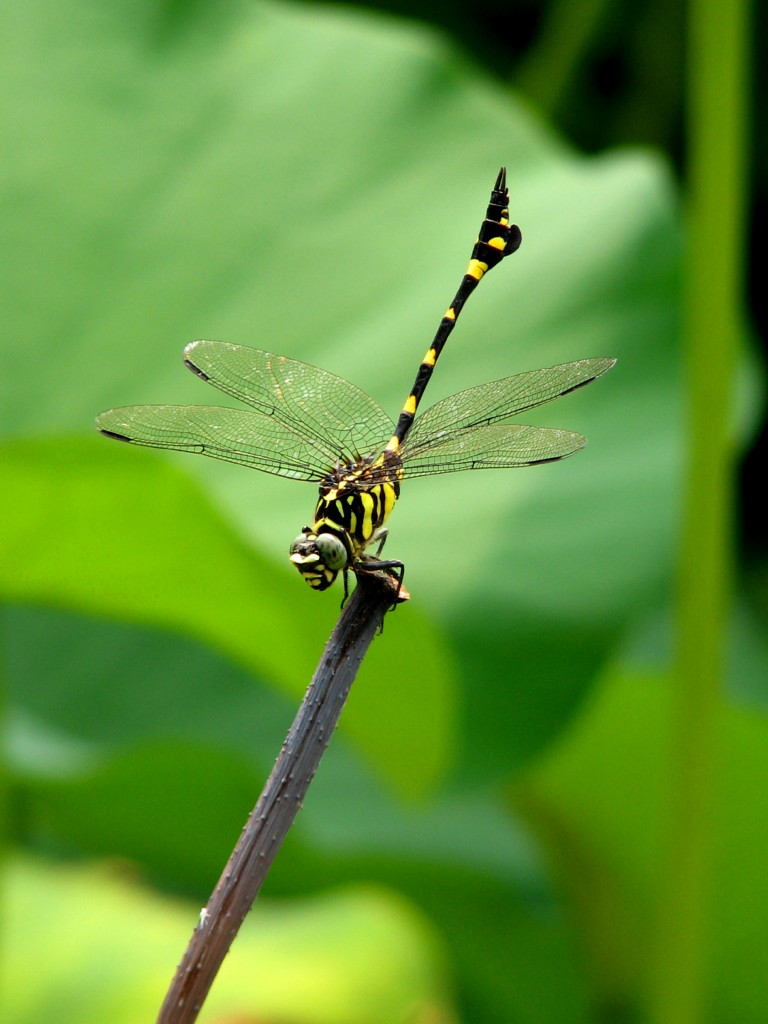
{"type": "Point", "coordinates": [281, 798]}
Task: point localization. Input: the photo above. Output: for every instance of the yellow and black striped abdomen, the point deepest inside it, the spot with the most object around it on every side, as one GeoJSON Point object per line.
{"type": "Point", "coordinates": [496, 239]}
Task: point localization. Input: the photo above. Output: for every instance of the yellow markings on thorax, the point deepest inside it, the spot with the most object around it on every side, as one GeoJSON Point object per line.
{"type": "Point", "coordinates": [357, 514]}
{"type": "Point", "coordinates": [476, 269]}
{"type": "Point", "coordinates": [369, 504]}
{"type": "Point", "coordinates": [393, 445]}
{"type": "Point", "coordinates": [390, 497]}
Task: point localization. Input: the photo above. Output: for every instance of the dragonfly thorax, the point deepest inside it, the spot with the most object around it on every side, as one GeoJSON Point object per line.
{"type": "Point", "coordinates": [354, 502]}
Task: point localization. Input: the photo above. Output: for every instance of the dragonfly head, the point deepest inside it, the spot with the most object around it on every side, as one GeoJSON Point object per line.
{"type": "Point", "coordinates": [319, 557]}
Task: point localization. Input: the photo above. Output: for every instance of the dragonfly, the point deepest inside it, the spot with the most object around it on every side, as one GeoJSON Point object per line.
{"type": "Point", "coordinates": [304, 423]}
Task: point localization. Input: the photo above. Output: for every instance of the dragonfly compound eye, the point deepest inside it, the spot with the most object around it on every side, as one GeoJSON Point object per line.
{"type": "Point", "coordinates": [332, 551]}
{"type": "Point", "coordinates": [304, 544]}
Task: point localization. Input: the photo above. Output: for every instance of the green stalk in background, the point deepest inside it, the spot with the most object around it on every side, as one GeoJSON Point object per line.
{"type": "Point", "coordinates": [547, 71]}
{"type": "Point", "coordinates": [717, 114]}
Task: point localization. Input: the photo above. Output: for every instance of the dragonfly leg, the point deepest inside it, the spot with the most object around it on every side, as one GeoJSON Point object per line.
{"type": "Point", "coordinates": [345, 575]}
{"type": "Point", "coordinates": [370, 564]}
{"type": "Point", "coordinates": [380, 535]}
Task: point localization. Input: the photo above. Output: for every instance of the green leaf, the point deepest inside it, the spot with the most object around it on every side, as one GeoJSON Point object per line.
{"type": "Point", "coordinates": [600, 802]}
{"type": "Point", "coordinates": [134, 539]}
{"type": "Point", "coordinates": [310, 182]}
{"type": "Point", "coordinates": [181, 207]}
{"type": "Point", "coordinates": [358, 954]}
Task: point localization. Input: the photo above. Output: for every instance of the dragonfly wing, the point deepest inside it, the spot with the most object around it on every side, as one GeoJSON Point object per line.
{"type": "Point", "coordinates": [326, 410]}
{"type": "Point", "coordinates": [501, 399]}
{"type": "Point", "coordinates": [242, 436]}
{"type": "Point", "coordinates": [499, 446]}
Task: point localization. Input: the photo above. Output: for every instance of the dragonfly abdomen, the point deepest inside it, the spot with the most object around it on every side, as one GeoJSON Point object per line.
{"type": "Point", "coordinates": [496, 239]}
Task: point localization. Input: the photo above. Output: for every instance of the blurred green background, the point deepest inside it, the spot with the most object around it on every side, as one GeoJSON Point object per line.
{"type": "Point", "coordinates": [485, 840]}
